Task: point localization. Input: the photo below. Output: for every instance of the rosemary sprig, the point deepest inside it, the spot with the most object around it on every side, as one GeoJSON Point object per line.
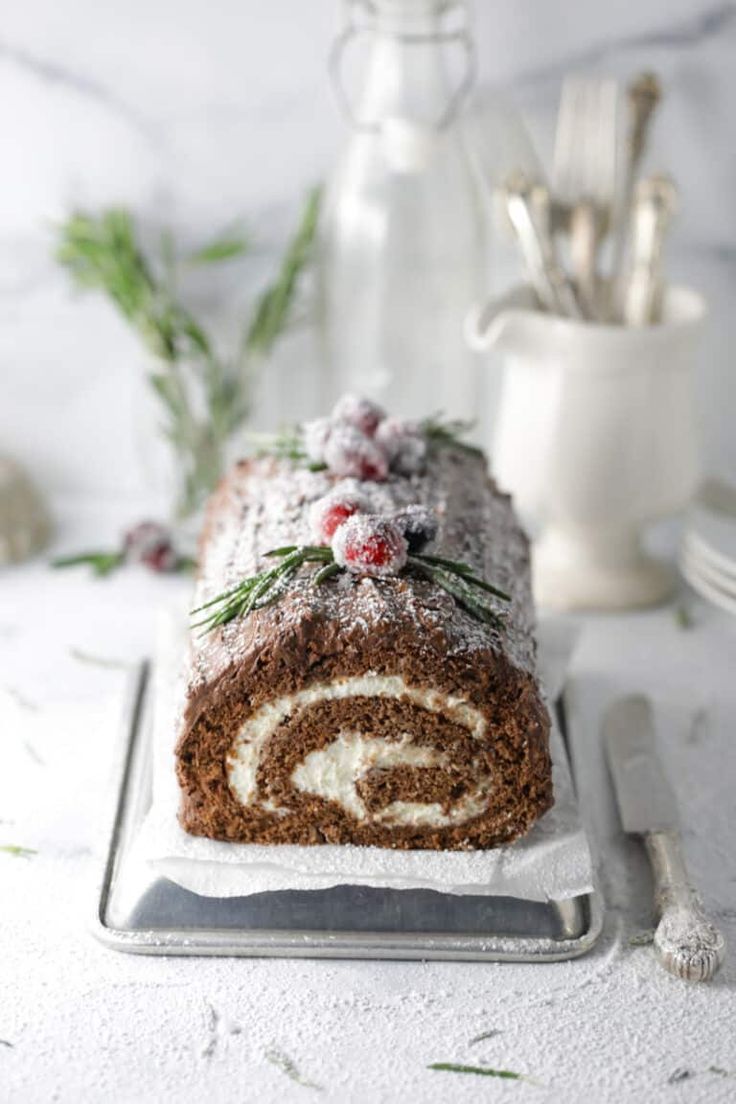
{"type": "Point", "coordinates": [205, 396]}
{"type": "Point", "coordinates": [483, 1071]}
{"type": "Point", "coordinates": [286, 445]}
{"type": "Point", "coordinates": [273, 309]}
{"type": "Point", "coordinates": [221, 249]}
{"type": "Point", "coordinates": [262, 589]}
{"type": "Point", "coordinates": [289, 1067]}
{"type": "Point", "coordinates": [459, 580]}
{"type": "Point", "coordinates": [467, 572]}
{"type": "Point", "coordinates": [683, 616]}
{"type": "Point", "coordinates": [455, 577]}
{"type": "Point", "coordinates": [444, 432]}
{"type": "Point", "coordinates": [102, 563]}
{"type": "Point", "coordinates": [19, 852]}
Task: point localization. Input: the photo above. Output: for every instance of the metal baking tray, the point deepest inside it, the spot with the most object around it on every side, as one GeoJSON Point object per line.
{"type": "Point", "coordinates": [143, 913]}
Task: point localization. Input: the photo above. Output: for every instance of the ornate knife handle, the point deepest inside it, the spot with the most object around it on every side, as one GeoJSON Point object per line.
{"type": "Point", "coordinates": [687, 943]}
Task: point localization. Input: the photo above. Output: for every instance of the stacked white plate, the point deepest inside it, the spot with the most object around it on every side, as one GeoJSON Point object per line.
{"type": "Point", "coordinates": [708, 553]}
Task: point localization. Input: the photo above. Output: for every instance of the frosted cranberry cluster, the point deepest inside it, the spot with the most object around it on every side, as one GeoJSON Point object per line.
{"type": "Point", "coordinates": [361, 441]}
{"type": "Point", "coordinates": [365, 542]}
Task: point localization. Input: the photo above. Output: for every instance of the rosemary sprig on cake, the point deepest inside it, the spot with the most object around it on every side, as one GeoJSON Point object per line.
{"type": "Point", "coordinates": [456, 578]}
{"type": "Point", "coordinates": [444, 432]}
{"type": "Point", "coordinates": [261, 589]}
{"type": "Point", "coordinates": [354, 540]}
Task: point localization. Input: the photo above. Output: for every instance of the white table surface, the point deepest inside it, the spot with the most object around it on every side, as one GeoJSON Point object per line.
{"type": "Point", "coordinates": [81, 1023]}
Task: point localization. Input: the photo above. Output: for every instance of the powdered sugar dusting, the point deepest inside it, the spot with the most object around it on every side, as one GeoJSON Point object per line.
{"type": "Point", "coordinates": [264, 504]}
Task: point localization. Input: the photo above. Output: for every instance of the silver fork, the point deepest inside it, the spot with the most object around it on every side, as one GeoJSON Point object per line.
{"type": "Point", "coordinates": [585, 174]}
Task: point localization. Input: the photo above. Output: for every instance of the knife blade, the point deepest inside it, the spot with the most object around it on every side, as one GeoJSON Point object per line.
{"type": "Point", "coordinates": [686, 942]}
{"type": "Point", "coordinates": [644, 796]}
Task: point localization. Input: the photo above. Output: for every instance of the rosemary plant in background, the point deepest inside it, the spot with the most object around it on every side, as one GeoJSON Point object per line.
{"type": "Point", "coordinates": [205, 396]}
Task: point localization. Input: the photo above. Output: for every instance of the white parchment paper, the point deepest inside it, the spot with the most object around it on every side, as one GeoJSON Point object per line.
{"type": "Point", "coordinates": [552, 862]}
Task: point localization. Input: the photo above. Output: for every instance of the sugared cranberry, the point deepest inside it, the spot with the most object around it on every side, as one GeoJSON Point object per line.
{"type": "Point", "coordinates": [370, 545]}
{"type": "Point", "coordinates": [327, 514]}
{"type": "Point", "coordinates": [404, 444]}
{"type": "Point", "coordinates": [349, 452]}
{"type": "Point", "coordinates": [163, 558]}
{"type": "Point", "coordinates": [358, 412]}
{"type": "Point", "coordinates": [150, 543]}
{"type": "Point", "coordinates": [418, 524]}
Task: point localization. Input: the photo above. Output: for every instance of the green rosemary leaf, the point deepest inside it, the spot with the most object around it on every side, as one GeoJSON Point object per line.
{"type": "Point", "coordinates": [279, 584]}
{"type": "Point", "coordinates": [464, 596]}
{"type": "Point", "coordinates": [224, 595]}
{"type": "Point", "coordinates": [196, 336]}
{"type": "Point", "coordinates": [456, 580]}
{"type": "Point", "coordinates": [273, 309]}
{"type": "Point", "coordinates": [475, 580]}
{"type": "Point", "coordinates": [310, 553]}
{"type": "Point", "coordinates": [491, 1034]}
{"type": "Point", "coordinates": [169, 391]}
{"type": "Point", "coordinates": [101, 253]}
{"type": "Point", "coordinates": [19, 852]}
{"type": "Point", "coordinates": [102, 563]}
{"type": "Point", "coordinates": [253, 593]}
{"type": "Point", "coordinates": [457, 567]}
{"type": "Point", "coordinates": [221, 249]}
{"type": "Point", "coordinates": [260, 589]}
{"type": "Point", "coordinates": [317, 554]}
{"type": "Point", "coordinates": [683, 617]}
{"type": "Point", "coordinates": [483, 1071]}
{"type": "Point", "coordinates": [288, 1066]}
{"type": "Point", "coordinates": [447, 432]}
{"type": "Point", "coordinates": [326, 573]}
{"type": "Point", "coordinates": [287, 445]}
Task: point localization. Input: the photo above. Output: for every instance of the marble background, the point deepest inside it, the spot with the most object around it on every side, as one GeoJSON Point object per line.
{"type": "Point", "coordinates": [201, 114]}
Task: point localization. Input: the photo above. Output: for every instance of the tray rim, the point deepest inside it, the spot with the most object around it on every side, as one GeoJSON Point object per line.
{"type": "Point", "coordinates": [266, 943]}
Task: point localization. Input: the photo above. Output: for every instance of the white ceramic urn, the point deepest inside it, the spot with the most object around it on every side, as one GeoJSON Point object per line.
{"type": "Point", "coordinates": [595, 438]}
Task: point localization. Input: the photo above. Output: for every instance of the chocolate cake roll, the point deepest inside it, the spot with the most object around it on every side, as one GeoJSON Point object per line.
{"type": "Point", "coordinates": [366, 705]}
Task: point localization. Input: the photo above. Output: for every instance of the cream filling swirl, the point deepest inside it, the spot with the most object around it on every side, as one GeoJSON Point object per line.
{"type": "Point", "coordinates": [332, 771]}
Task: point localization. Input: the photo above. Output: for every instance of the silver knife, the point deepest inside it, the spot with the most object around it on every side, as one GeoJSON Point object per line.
{"type": "Point", "coordinates": [687, 943]}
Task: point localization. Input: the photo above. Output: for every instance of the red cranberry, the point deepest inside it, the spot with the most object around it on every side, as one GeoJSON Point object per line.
{"type": "Point", "coordinates": [349, 452]}
{"type": "Point", "coordinates": [358, 412]}
{"type": "Point", "coordinates": [150, 543]}
{"type": "Point", "coordinates": [370, 545]}
{"type": "Point", "coordinates": [327, 514]}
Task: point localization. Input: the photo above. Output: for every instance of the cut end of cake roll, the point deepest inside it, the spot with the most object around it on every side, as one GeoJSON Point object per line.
{"type": "Point", "coordinates": [372, 709]}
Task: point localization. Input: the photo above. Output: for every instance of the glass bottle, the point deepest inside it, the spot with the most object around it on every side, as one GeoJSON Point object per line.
{"type": "Point", "coordinates": [402, 249]}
